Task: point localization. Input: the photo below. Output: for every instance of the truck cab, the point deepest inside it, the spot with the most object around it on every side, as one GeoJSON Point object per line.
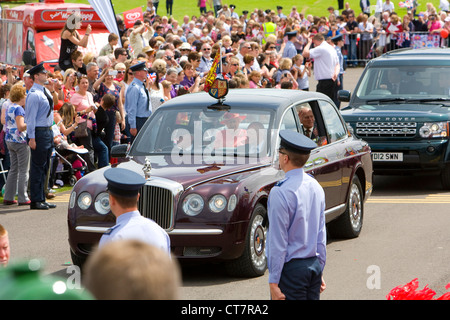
{"type": "Point", "coordinates": [31, 33]}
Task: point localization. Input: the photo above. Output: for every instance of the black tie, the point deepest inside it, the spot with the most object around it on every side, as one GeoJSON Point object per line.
{"type": "Point", "coordinates": [50, 102]}
{"type": "Point", "coordinates": [308, 133]}
{"type": "Point", "coordinates": [146, 92]}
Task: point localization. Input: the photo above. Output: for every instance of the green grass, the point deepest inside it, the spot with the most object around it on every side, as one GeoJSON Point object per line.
{"type": "Point", "coordinates": [189, 7]}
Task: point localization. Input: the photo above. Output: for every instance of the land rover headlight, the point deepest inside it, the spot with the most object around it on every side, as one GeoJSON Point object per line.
{"type": "Point", "coordinates": [217, 203]}
{"type": "Point", "coordinates": [193, 204]}
{"type": "Point", "coordinates": [434, 130]}
{"type": "Point", "coordinates": [102, 203]}
{"type": "Point", "coordinates": [84, 200]}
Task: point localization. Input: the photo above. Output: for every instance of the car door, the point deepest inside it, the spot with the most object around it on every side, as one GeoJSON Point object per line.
{"type": "Point", "coordinates": [322, 161]}
{"type": "Point", "coordinates": [338, 138]}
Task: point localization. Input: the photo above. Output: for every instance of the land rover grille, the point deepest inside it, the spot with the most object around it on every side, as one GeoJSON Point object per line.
{"type": "Point", "coordinates": [386, 129]}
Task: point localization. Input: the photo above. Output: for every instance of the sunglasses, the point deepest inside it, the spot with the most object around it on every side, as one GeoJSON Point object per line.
{"type": "Point", "coordinates": [206, 49]}
{"type": "Point", "coordinates": [235, 64]}
{"type": "Point", "coordinates": [120, 71]}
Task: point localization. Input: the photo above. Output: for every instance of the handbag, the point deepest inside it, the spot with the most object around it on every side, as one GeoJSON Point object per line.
{"type": "Point", "coordinates": [81, 130]}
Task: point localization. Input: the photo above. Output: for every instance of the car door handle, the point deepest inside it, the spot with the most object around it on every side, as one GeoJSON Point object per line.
{"type": "Point", "coordinates": [308, 165]}
{"type": "Point", "coordinates": [318, 161]}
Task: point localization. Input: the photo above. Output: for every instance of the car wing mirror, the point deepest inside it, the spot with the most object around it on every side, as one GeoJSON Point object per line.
{"type": "Point", "coordinates": [119, 151]}
{"type": "Point", "coordinates": [343, 95]}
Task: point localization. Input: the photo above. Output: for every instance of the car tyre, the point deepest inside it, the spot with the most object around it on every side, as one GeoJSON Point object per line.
{"type": "Point", "coordinates": [253, 261]}
{"type": "Point", "coordinates": [349, 224]}
{"type": "Point", "coordinates": [77, 260]}
{"type": "Point", "coordinates": [445, 177]}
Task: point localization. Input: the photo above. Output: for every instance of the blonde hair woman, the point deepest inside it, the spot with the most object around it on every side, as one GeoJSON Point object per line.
{"type": "Point", "coordinates": [19, 152]}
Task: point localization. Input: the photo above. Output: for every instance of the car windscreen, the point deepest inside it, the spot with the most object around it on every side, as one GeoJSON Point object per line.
{"type": "Point", "coordinates": [403, 83]}
{"type": "Point", "coordinates": [203, 131]}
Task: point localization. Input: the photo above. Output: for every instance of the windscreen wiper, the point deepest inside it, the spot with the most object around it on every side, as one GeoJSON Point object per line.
{"type": "Point", "coordinates": [398, 99]}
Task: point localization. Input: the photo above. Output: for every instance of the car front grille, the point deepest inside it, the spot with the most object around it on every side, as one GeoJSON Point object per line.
{"type": "Point", "coordinates": [386, 129]}
{"type": "Point", "coordinates": [157, 203]}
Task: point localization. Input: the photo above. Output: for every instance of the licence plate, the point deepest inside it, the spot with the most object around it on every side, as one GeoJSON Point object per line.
{"type": "Point", "coordinates": [387, 156]}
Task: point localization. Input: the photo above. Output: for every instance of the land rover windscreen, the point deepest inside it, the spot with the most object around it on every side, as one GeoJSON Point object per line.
{"type": "Point", "coordinates": [401, 107]}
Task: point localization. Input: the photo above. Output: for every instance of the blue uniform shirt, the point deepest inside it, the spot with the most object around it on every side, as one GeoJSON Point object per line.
{"type": "Point", "coordinates": [296, 209]}
{"type": "Point", "coordinates": [132, 225]}
{"type": "Point", "coordinates": [36, 110]}
{"type": "Point", "coordinates": [136, 102]}
{"type": "Point", "coordinates": [289, 50]}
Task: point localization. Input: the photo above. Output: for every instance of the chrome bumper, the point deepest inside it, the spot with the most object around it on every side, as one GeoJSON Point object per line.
{"type": "Point", "coordinates": [207, 232]}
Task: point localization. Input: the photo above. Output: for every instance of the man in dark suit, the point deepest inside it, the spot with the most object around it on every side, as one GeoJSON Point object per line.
{"type": "Point", "coordinates": [308, 122]}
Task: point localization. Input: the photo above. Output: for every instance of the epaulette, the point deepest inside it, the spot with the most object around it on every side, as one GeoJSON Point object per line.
{"type": "Point", "coordinates": [279, 183]}
{"type": "Point", "coordinates": [32, 90]}
{"type": "Point", "coordinates": [111, 229]}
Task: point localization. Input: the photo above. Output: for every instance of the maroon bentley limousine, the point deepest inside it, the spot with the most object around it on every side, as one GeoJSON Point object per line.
{"type": "Point", "coordinates": [209, 167]}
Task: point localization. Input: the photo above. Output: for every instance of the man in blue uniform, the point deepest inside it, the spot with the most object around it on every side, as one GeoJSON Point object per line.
{"type": "Point", "coordinates": [39, 120]}
{"type": "Point", "coordinates": [296, 239]}
{"type": "Point", "coordinates": [137, 100]}
{"type": "Point", "coordinates": [123, 188]}
{"type": "Point", "coordinates": [289, 50]}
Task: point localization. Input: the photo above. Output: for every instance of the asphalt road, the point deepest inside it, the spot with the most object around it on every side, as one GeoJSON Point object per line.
{"type": "Point", "coordinates": [405, 236]}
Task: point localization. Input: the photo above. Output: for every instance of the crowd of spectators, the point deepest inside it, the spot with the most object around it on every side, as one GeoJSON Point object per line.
{"type": "Point", "coordinates": [260, 49]}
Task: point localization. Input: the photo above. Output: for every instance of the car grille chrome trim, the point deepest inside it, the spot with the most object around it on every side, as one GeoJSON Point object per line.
{"type": "Point", "coordinates": [386, 129]}
{"type": "Point", "coordinates": [158, 201]}
{"type": "Point", "coordinates": [182, 232]}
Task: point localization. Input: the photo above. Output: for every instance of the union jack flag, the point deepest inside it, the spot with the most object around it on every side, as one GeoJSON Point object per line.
{"type": "Point", "coordinates": [152, 76]}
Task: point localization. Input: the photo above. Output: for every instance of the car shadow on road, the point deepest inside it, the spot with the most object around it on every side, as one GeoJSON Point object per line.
{"type": "Point", "coordinates": [406, 185]}
{"type": "Point", "coordinates": [206, 274]}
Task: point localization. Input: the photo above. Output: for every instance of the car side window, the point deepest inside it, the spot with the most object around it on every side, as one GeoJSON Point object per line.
{"type": "Point", "coordinates": [288, 122]}
{"type": "Point", "coordinates": [333, 124]}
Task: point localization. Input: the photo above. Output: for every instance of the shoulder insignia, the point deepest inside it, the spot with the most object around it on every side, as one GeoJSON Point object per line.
{"type": "Point", "coordinates": [111, 229]}
{"type": "Point", "coordinates": [279, 183]}
{"type": "Point", "coordinates": [32, 90]}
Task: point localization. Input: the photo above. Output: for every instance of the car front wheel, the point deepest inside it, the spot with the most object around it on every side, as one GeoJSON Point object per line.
{"type": "Point", "coordinates": [253, 262]}
{"type": "Point", "coordinates": [349, 224]}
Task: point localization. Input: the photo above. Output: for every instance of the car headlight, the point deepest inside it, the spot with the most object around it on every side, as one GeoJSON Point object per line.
{"type": "Point", "coordinates": [102, 203]}
{"type": "Point", "coordinates": [193, 204]}
{"type": "Point", "coordinates": [232, 202]}
{"type": "Point", "coordinates": [84, 200]}
{"type": "Point", "coordinates": [72, 198]}
{"type": "Point", "coordinates": [217, 203]}
{"type": "Point", "coordinates": [434, 130]}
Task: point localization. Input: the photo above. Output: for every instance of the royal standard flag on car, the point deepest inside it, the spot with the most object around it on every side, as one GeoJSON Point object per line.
{"type": "Point", "coordinates": [213, 72]}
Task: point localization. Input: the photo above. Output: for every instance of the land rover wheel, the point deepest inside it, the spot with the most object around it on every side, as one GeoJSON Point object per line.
{"type": "Point", "coordinates": [445, 177]}
{"type": "Point", "coordinates": [349, 224]}
{"type": "Point", "coordinates": [253, 262]}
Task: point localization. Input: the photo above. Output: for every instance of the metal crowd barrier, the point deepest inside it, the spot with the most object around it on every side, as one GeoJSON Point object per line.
{"type": "Point", "coordinates": [360, 48]}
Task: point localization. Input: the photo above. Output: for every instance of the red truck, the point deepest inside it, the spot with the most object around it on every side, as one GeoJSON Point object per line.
{"type": "Point", "coordinates": [31, 33]}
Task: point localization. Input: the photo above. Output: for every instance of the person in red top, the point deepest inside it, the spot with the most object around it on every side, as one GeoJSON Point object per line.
{"type": "Point", "coordinates": [393, 28]}
{"type": "Point", "coordinates": [233, 136]}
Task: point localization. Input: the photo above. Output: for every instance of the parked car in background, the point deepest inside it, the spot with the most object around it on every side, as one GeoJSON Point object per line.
{"type": "Point", "coordinates": [401, 107]}
{"type": "Point", "coordinates": [209, 191]}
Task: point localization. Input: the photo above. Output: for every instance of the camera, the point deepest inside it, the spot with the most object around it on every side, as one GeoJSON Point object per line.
{"type": "Point", "coordinates": [112, 73]}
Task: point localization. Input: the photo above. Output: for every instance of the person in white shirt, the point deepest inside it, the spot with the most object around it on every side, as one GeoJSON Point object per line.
{"type": "Point", "coordinates": [326, 64]}
{"type": "Point", "coordinates": [388, 6]}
